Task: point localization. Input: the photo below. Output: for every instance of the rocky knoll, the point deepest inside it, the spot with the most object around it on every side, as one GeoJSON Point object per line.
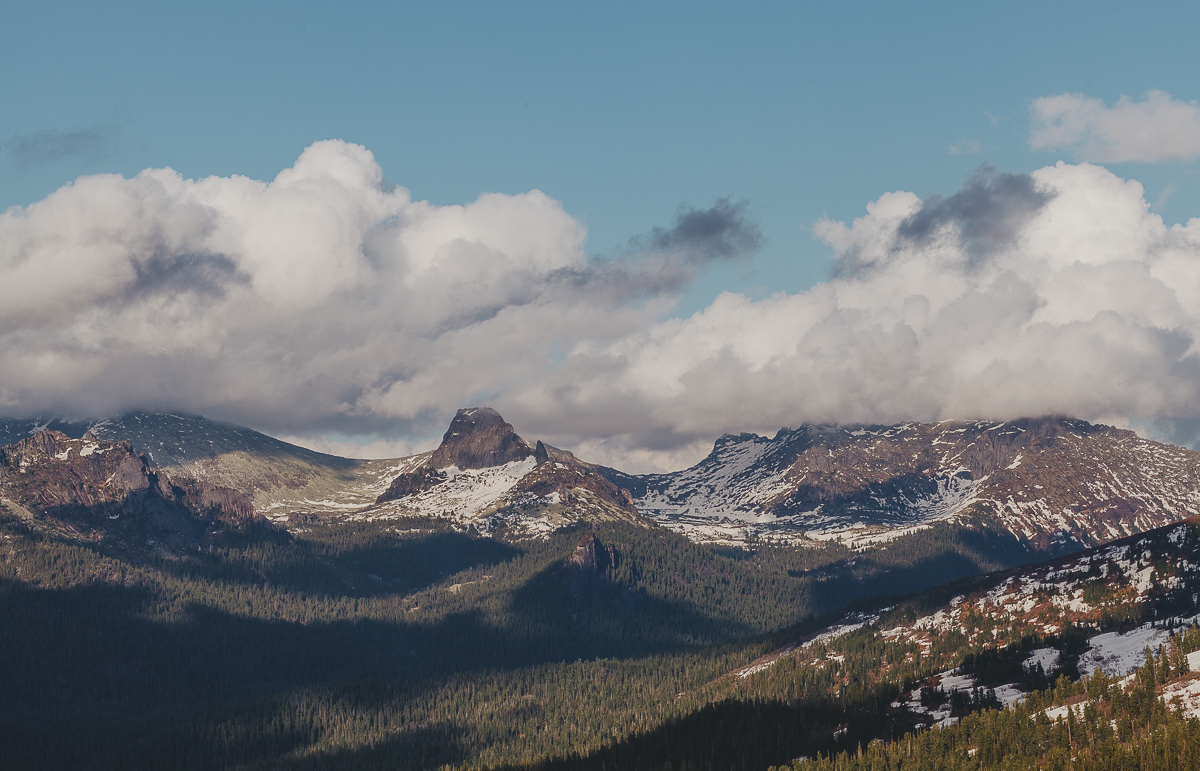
{"type": "Point", "coordinates": [589, 568]}
{"type": "Point", "coordinates": [99, 490]}
{"type": "Point", "coordinates": [559, 472]}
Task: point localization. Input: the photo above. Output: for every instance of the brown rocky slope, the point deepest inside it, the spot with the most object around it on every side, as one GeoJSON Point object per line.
{"type": "Point", "coordinates": [104, 491]}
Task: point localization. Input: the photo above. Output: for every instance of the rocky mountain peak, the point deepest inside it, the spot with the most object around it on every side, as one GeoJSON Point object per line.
{"type": "Point", "coordinates": [555, 488]}
{"type": "Point", "coordinates": [479, 438]}
{"type": "Point", "coordinates": [53, 452]}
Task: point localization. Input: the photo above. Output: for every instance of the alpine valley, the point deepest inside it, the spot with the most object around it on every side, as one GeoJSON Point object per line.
{"type": "Point", "coordinates": [184, 593]}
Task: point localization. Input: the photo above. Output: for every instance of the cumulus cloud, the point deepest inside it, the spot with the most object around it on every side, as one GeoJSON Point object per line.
{"type": "Point", "coordinates": [322, 300]}
{"type": "Point", "coordinates": [326, 303]}
{"type": "Point", "coordinates": [1158, 128]}
{"type": "Point", "coordinates": [1053, 292]}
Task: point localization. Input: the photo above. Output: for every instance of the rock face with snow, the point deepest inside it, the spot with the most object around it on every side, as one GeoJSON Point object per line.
{"type": "Point", "coordinates": [1054, 482]}
{"type": "Point", "coordinates": [478, 438]}
{"type": "Point", "coordinates": [502, 484]}
{"type": "Point", "coordinates": [412, 482]}
{"type": "Point", "coordinates": [559, 473]}
{"type": "Point", "coordinates": [97, 489]}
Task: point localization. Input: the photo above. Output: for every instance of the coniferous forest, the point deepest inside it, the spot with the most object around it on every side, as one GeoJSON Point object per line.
{"type": "Point", "coordinates": [404, 644]}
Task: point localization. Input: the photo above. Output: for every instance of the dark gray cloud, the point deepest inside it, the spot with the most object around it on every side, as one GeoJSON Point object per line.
{"type": "Point", "coordinates": [42, 147]}
{"type": "Point", "coordinates": [989, 210]}
{"type": "Point", "coordinates": [205, 275]}
{"type": "Point", "coordinates": [720, 232]}
{"type": "Point", "coordinates": [666, 260]}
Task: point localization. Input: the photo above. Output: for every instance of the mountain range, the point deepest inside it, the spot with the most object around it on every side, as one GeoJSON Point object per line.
{"type": "Point", "coordinates": [1054, 483]}
{"type": "Point", "coordinates": [183, 591]}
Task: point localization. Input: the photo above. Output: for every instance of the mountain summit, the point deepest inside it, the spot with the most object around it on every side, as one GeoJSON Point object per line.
{"type": "Point", "coordinates": [1055, 484]}
{"type": "Point", "coordinates": [479, 438]}
{"type": "Point", "coordinates": [485, 476]}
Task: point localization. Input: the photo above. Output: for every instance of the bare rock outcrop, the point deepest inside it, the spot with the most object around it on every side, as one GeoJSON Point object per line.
{"type": "Point", "coordinates": [412, 483]}
{"type": "Point", "coordinates": [559, 471]}
{"type": "Point", "coordinates": [479, 438]}
{"type": "Point", "coordinates": [100, 489]}
{"type": "Point", "coordinates": [588, 571]}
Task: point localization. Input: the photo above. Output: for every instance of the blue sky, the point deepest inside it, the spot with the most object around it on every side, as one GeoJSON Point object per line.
{"type": "Point", "coordinates": [622, 111]}
{"type": "Point", "coordinates": [630, 116]}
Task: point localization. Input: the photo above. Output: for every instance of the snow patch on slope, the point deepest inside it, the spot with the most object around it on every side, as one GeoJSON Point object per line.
{"type": "Point", "coordinates": [865, 486]}
{"type": "Point", "coordinates": [464, 496]}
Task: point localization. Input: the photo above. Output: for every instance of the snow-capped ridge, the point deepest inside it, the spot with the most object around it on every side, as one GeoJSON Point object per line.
{"type": "Point", "coordinates": [1050, 480]}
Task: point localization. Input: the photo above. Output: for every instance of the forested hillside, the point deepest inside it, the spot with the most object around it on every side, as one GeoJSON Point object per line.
{"type": "Point", "coordinates": [381, 644]}
{"type": "Point", "coordinates": [156, 621]}
{"type": "Point", "coordinates": [270, 645]}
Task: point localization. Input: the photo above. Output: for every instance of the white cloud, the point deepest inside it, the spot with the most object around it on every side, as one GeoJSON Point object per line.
{"type": "Point", "coordinates": [325, 305]}
{"type": "Point", "coordinates": [1056, 292]}
{"type": "Point", "coordinates": [323, 300]}
{"type": "Point", "coordinates": [285, 302]}
{"type": "Point", "coordinates": [1158, 128]}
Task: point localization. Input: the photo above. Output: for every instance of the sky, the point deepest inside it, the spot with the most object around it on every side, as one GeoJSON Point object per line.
{"type": "Point", "coordinates": [629, 227]}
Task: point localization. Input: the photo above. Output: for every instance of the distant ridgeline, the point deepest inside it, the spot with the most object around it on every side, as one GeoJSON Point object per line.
{"type": "Point", "coordinates": [167, 439]}
{"type": "Point", "coordinates": [179, 592]}
{"type": "Point", "coordinates": [1051, 484]}
{"type": "Point", "coordinates": [1055, 483]}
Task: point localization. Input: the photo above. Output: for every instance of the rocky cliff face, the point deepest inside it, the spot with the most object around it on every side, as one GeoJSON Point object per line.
{"type": "Point", "coordinates": [98, 489]}
{"type": "Point", "coordinates": [1052, 481]}
{"type": "Point", "coordinates": [279, 478]}
{"type": "Point", "coordinates": [479, 438]}
{"type": "Point", "coordinates": [588, 571]}
{"type": "Point", "coordinates": [412, 483]}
